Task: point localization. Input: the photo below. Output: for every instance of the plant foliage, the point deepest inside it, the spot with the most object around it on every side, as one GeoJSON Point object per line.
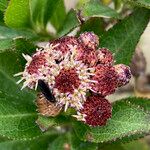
{"type": "Point", "coordinates": [23, 24]}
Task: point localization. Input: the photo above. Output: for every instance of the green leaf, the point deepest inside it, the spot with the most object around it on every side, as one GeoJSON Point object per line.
{"type": "Point", "coordinates": [77, 144]}
{"type": "Point", "coordinates": [8, 33]}
{"type": "Point", "coordinates": [94, 24]}
{"type": "Point", "coordinates": [3, 4]}
{"type": "Point", "coordinates": [140, 3]}
{"type": "Point", "coordinates": [2, 18]}
{"type": "Point", "coordinates": [17, 110]}
{"type": "Point", "coordinates": [134, 145]}
{"type": "Point", "coordinates": [17, 14]}
{"type": "Point", "coordinates": [69, 24]}
{"type": "Point", "coordinates": [143, 103]}
{"type": "Point", "coordinates": [111, 146]}
{"type": "Point", "coordinates": [128, 119]}
{"type": "Point", "coordinates": [11, 60]}
{"type": "Point", "coordinates": [44, 11]}
{"type": "Point", "coordinates": [5, 44]}
{"type": "Point", "coordinates": [64, 118]}
{"type": "Point", "coordinates": [96, 9]}
{"type": "Point", "coordinates": [39, 12]}
{"type": "Point", "coordinates": [35, 14]}
{"type": "Point", "coordinates": [60, 143]}
{"type": "Point", "coordinates": [35, 144]}
{"type": "Point", "coordinates": [81, 3]}
{"type": "Point", "coordinates": [70, 141]}
{"type": "Point", "coordinates": [123, 37]}
{"type": "Point", "coordinates": [46, 122]}
{"type": "Point", "coordinates": [58, 15]}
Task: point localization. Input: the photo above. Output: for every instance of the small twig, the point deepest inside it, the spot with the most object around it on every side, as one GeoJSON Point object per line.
{"type": "Point", "coordinates": [80, 17]}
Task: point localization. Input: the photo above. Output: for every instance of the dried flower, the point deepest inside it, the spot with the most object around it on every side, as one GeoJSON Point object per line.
{"type": "Point", "coordinates": [47, 108]}
{"type": "Point", "coordinates": [95, 112]}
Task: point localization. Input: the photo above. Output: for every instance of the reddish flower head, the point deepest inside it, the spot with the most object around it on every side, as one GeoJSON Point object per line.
{"type": "Point", "coordinates": [96, 111]}
{"type": "Point", "coordinates": [123, 74]}
{"type": "Point", "coordinates": [70, 79]}
{"type": "Point", "coordinates": [63, 46]}
{"type": "Point", "coordinates": [89, 39]}
{"type": "Point", "coordinates": [37, 67]}
{"type": "Point", "coordinates": [86, 55]}
{"type": "Point", "coordinates": [105, 57]}
{"type": "Point", "coordinates": [71, 67]}
{"type": "Point", "coordinates": [106, 80]}
{"type": "Point", "coordinates": [38, 60]}
{"type": "Point", "coordinates": [67, 80]}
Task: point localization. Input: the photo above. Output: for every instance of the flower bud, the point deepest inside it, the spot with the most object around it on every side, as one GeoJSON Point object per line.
{"type": "Point", "coordinates": [105, 80]}
{"type": "Point", "coordinates": [89, 39]}
{"type": "Point", "coordinates": [123, 74]}
{"type": "Point", "coordinates": [62, 46]}
{"type": "Point", "coordinates": [96, 111]}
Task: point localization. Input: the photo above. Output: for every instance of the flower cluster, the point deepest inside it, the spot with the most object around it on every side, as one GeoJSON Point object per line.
{"type": "Point", "coordinates": [79, 74]}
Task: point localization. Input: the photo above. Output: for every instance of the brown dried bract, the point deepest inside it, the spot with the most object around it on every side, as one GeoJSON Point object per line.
{"type": "Point", "coordinates": [47, 108]}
